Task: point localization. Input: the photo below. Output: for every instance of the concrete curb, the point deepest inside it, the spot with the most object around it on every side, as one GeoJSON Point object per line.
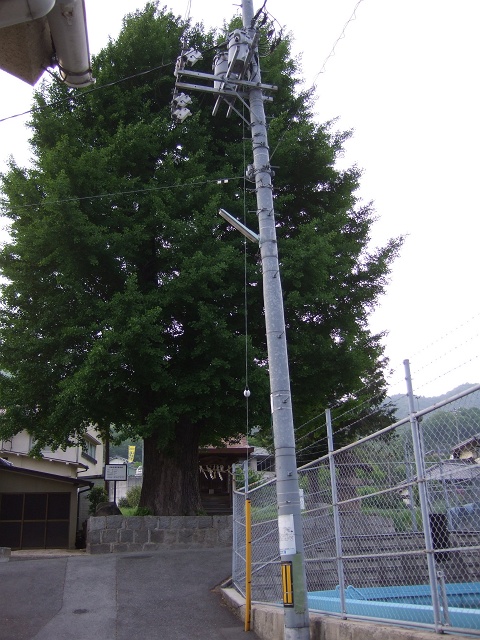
{"type": "Point", "coordinates": [267, 623]}
{"type": "Point", "coordinates": [43, 554]}
{"type": "Point", "coordinates": [5, 553]}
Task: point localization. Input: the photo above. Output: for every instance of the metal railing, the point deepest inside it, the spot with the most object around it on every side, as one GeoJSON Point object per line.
{"type": "Point", "coordinates": [391, 523]}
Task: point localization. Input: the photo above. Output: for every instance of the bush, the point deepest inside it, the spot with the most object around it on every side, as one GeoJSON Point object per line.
{"type": "Point", "coordinates": [133, 496]}
{"type": "Point", "coordinates": [254, 478]}
{"type": "Point", "coordinates": [96, 495]}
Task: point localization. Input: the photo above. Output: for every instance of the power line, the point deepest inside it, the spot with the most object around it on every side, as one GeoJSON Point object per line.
{"type": "Point", "coordinates": [122, 193]}
{"type": "Point", "coordinates": [86, 92]}
{"type": "Point", "coordinates": [340, 37]}
{"type": "Point", "coordinates": [163, 66]}
{"type": "Point", "coordinates": [322, 70]}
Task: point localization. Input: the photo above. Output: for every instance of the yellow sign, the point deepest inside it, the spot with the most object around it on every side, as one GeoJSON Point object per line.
{"type": "Point", "coordinates": [287, 584]}
{"type": "Point", "coordinates": [131, 453]}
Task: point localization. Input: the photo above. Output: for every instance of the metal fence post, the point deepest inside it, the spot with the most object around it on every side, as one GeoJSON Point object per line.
{"type": "Point", "coordinates": [336, 513]}
{"type": "Point", "coordinates": [422, 492]}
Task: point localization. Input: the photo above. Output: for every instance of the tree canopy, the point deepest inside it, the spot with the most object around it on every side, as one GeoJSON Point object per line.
{"type": "Point", "coordinates": [126, 298]}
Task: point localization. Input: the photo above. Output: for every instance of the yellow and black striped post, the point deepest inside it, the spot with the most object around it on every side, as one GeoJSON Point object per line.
{"type": "Point", "coordinates": [248, 564]}
{"type": "Point", "coordinates": [287, 584]}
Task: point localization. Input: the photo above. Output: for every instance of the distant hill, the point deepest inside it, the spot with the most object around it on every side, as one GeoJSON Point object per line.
{"type": "Point", "coordinates": [422, 402]}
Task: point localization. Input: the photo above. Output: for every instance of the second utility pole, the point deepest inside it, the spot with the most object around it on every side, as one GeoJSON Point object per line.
{"type": "Point", "coordinates": [288, 494]}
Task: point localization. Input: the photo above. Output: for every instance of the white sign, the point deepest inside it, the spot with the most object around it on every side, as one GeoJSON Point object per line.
{"type": "Point", "coordinates": [115, 472]}
{"type": "Point", "coordinates": [286, 531]}
{"type": "Point", "coordinates": [302, 499]}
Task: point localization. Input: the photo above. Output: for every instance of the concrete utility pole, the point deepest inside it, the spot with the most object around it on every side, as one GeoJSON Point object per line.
{"type": "Point", "coordinates": [237, 74]}
{"type": "Point", "coordinates": [288, 495]}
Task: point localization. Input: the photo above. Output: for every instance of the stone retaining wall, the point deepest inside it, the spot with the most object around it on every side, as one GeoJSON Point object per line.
{"type": "Point", "coordinates": [114, 534]}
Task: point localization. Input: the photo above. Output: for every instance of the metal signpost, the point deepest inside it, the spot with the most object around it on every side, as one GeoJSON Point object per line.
{"type": "Point", "coordinates": [115, 473]}
{"type": "Point", "coordinates": [237, 71]}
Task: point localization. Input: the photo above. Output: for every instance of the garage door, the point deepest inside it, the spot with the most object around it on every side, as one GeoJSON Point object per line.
{"type": "Point", "coordinates": [34, 520]}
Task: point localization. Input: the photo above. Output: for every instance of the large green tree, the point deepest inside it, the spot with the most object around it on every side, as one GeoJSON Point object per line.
{"type": "Point", "coordinates": [123, 303]}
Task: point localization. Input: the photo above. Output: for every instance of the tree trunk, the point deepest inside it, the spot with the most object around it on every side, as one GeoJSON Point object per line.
{"type": "Point", "coordinates": [171, 476]}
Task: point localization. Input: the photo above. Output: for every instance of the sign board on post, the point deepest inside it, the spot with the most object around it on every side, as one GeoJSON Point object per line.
{"type": "Point", "coordinates": [115, 472]}
{"type": "Point", "coordinates": [286, 531]}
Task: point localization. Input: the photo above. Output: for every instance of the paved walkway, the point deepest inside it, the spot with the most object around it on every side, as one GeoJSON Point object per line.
{"type": "Point", "coordinates": [165, 595]}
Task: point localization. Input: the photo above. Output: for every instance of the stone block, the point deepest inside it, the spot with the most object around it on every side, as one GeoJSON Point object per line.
{"type": "Point", "coordinates": [150, 522]}
{"type": "Point", "coordinates": [5, 554]}
{"type": "Point", "coordinates": [141, 536]}
{"type": "Point", "coordinates": [100, 548]}
{"type": "Point", "coordinates": [189, 522]}
{"type": "Point", "coordinates": [211, 537]}
{"type": "Point", "coordinates": [185, 536]}
{"type": "Point", "coordinates": [177, 522]}
{"type": "Point", "coordinates": [220, 522]}
{"type": "Point", "coordinates": [225, 537]}
{"type": "Point", "coordinates": [95, 537]}
{"type": "Point", "coordinates": [157, 535]}
{"type": "Point", "coordinates": [107, 509]}
{"type": "Point", "coordinates": [164, 522]}
{"type": "Point", "coordinates": [126, 535]}
{"type": "Point", "coordinates": [115, 522]}
{"type": "Point", "coordinates": [109, 535]}
{"type": "Point", "coordinates": [199, 536]}
{"type": "Point", "coordinates": [96, 523]}
{"type": "Point", "coordinates": [170, 536]}
{"type": "Point", "coordinates": [135, 522]}
{"type": "Point", "coordinates": [204, 522]}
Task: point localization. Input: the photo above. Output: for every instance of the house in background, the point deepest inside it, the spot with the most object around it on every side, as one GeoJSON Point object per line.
{"type": "Point", "coordinates": [37, 35]}
{"type": "Point", "coordinates": [468, 450]}
{"type": "Point", "coordinates": [216, 471]}
{"type": "Point", "coordinates": [38, 510]}
{"type": "Point", "coordinates": [86, 461]}
{"type": "Point", "coordinates": [216, 466]}
{"type": "Point", "coordinates": [54, 485]}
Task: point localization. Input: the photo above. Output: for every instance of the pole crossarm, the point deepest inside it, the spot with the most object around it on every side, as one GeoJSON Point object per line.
{"type": "Point", "coordinates": [226, 80]}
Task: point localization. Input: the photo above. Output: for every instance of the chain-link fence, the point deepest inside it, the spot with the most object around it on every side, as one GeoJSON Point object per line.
{"type": "Point", "coordinates": [391, 524]}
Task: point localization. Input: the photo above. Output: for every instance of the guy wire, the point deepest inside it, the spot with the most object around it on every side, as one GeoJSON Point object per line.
{"type": "Point", "coordinates": [245, 281]}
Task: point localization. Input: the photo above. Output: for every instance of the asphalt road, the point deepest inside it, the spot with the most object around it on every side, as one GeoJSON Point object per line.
{"type": "Point", "coordinates": [166, 595]}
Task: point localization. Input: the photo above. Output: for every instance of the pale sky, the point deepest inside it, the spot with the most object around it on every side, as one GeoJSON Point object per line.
{"type": "Point", "coordinates": [404, 77]}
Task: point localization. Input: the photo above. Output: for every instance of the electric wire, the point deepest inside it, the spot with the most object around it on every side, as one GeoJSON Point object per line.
{"type": "Point", "coordinates": [122, 193]}
{"type": "Point", "coordinates": [86, 92]}
{"type": "Point", "coordinates": [375, 397]}
{"type": "Point", "coordinates": [245, 292]}
{"type": "Point", "coordinates": [436, 362]}
{"type": "Point", "coordinates": [308, 92]}
{"type": "Point", "coordinates": [187, 11]}
{"type": "Point", "coordinates": [451, 370]}
{"type": "Point", "coordinates": [91, 197]}
{"type": "Point", "coordinates": [442, 337]}
{"type": "Point", "coordinates": [340, 37]}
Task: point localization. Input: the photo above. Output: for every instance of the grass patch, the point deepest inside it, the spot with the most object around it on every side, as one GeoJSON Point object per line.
{"type": "Point", "coordinates": [402, 518]}
{"type": "Point", "coordinates": [261, 514]}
